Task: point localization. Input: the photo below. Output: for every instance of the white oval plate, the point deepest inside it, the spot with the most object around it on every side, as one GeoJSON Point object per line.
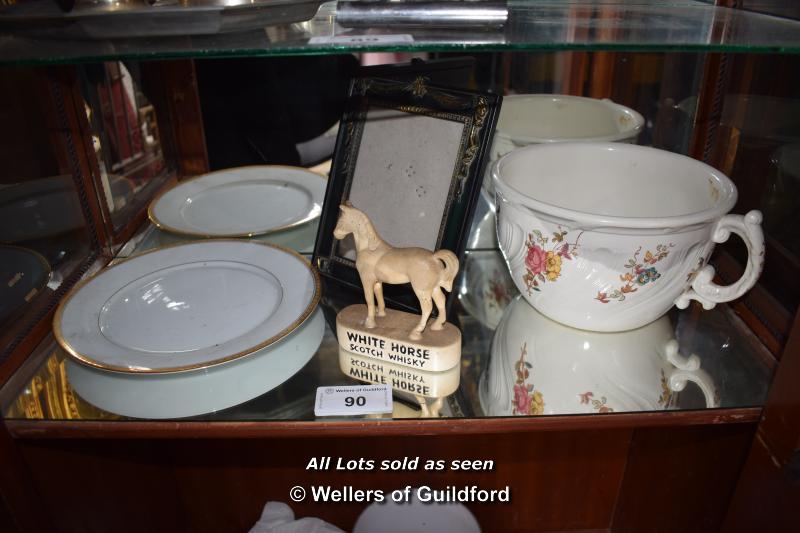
{"type": "Point", "coordinates": [203, 391]}
{"type": "Point", "coordinates": [416, 517]}
{"type": "Point", "coordinates": [187, 306]}
{"type": "Point", "coordinates": [240, 202]}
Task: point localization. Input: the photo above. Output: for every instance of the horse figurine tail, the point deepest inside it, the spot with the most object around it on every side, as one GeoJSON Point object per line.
{"type": "Point", "coordinates": [450, 268]}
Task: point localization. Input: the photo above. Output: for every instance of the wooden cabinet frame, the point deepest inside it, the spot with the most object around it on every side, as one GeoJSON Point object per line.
{"type": "Point", "coordinates": [630, 472]}
{"type": "Point", "coordinates": [174, 87]}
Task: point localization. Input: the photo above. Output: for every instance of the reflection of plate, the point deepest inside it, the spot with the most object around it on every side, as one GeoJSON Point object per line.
{"type": "Point", "coordinates": [415, 516]}
{"type": "Point", "coordinates": [299, 239]}
{"type": "Point", "coordinates": [188, 306]}
{"type": "Point", "coordinates": [122, 190]}
{"type": "Point", "coordinates": [240, 202]}
{"type": "Point", "coordinates": [200, 391]}
{"type": "Point", "coordinates": [483, 233]}
{"type": "Point", "coordinates": [787, 159]}
{"type": "Point", "coordinates": [38, 208]}
{"type": "Point", "coordinates": [485, 288]}
{"type": "Point", "coordinates": [23, 274]}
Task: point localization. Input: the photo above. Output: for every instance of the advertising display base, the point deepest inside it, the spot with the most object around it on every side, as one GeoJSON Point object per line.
{"type": "Point", "coordinates": [388, 341]}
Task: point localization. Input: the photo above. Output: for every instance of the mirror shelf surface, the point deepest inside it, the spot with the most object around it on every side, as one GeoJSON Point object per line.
{"type": "Point", "coordinates": [728, 353]}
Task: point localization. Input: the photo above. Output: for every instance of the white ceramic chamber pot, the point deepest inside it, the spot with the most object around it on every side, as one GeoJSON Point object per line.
{"type": "Point", "coordinates": [608, 236]}
{"type": "Point", "coordinates": [539, 366]}
{"type": "Point", "coordinates": [552, 118]}
{"type": "Point", "coordinates": [546, 118]}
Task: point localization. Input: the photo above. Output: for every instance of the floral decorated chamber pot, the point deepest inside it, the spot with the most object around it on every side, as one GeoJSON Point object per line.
{"type": "Point", "coordinates": [540, 367]}
{"type": "Point", "coordinates": [607, 237]}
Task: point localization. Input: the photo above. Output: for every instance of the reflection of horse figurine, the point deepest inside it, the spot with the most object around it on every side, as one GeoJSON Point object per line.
{"type": "Point", "coordinates": [377, 263]}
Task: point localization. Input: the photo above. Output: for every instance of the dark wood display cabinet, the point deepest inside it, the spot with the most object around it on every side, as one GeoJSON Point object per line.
{"type": "Point", "coordinates": [94, 128]}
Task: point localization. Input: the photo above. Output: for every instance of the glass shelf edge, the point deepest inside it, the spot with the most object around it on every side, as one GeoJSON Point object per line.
{"type": "Point", "coordinates": [262, 53]}
{"type": "Point", "coordinates": [532, 26]}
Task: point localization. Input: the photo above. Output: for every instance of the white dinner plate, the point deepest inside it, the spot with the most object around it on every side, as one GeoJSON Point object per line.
{"type": "Point", "coordinates": [240, 202]}
{"type": "Point", "coordinates": [197, 392]}
{"type": "Point", "coordinates": [415, 516]}
{"type": "Point", "coordinates": [188, 306]}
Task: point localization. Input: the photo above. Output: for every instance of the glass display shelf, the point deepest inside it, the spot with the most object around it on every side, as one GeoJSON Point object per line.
{"type": "Point", "coordinates": [739, 367]}
{"type": "Point", "coordinates": [37, 33]}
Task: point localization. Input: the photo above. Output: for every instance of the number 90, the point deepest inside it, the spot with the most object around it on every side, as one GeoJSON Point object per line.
{"type": "Point", "coordinates": [350, 401]}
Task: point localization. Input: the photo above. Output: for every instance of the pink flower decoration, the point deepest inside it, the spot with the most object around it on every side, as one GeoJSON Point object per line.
{"type": "Point", "coordinates": [536, 260]}
{"type": "Point", "coordinates": [522, 400]}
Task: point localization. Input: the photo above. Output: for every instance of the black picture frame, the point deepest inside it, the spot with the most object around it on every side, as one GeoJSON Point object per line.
{"type": "Point", "coordinates": [407, 122]}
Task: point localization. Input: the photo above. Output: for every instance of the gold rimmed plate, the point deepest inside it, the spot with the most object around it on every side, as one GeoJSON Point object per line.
{"type": "Point", "coordinates": [187, 306]}
{"type": "Point", "coordinates": [182, 394]}
{"type": "Point", "coordinates": [240, 202]}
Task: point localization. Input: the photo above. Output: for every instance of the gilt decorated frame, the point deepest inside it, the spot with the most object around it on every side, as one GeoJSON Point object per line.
{"type": "Point", "coordinates": [459, 125]}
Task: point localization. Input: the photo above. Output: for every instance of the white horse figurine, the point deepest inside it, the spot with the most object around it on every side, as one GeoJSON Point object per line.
{"type": "Point", "coordinates": [377, 263]}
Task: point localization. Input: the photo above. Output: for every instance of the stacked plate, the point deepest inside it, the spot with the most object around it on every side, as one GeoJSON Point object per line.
{"type": "Point", "coordinates": [188, 329]}
{"type": "Point", "coordinates": [192, 328]}
{"type": "Point", "coordinates": [240, 202]}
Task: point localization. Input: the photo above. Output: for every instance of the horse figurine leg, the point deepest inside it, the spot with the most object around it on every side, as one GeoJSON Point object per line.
{"type": "Point", "coordinates": [423, 406]}
{"type": "Point", "coordinates": [427, 306]}
{"type": "Point", "coordinates": [435, 407]}
{"type": "Point", "coordinates": [369, 287]}
{"type": "Point", "coordinates": [378, 289]}
{"type": "Point", "coordinates": [439, 300]}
